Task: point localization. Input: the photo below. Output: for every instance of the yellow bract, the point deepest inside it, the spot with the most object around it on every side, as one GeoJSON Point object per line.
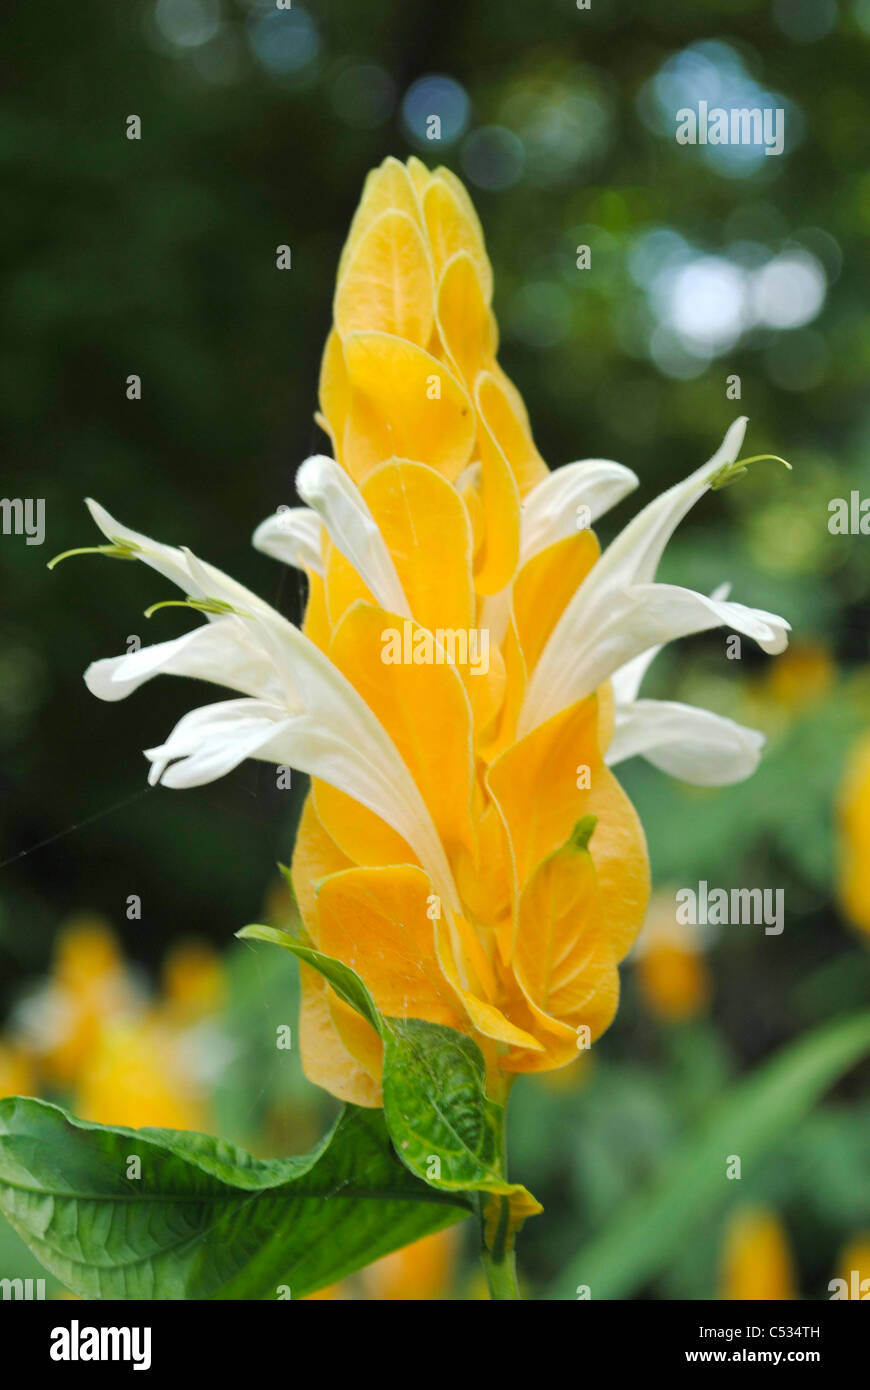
{"type": "Point", "coordinates": [522, 951]}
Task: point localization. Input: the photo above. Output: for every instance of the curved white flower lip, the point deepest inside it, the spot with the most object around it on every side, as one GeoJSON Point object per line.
{"type": "Point", "coordinates": [327, 488]}
{"type": "Point", "coordinates": [222, 646]}
{"type": "Point", "coordinates": [619, 612]}
{"type": "Point", "coordinates": [550, 510]}
{"type": "Point", "coordinates": [692, 744]}
{"type": "Point", "coordinates": [299, 708]}
{"type": "Point", "coordinates": [291, 535]}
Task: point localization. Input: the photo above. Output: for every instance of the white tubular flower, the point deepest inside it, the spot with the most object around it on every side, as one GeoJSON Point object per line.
{"type": "Point", "coordinates": [299, 709]}
{"type": "Point", "coordinates": [326, 487]}
{"type": "Point", "coordinates": [693, 744]}
{"type": "Point", "coordinates": [291, 535]}
{"type": "Point", "coordinates": [550, 511]}
{"type": "Point", "coordinates": [620, 612]}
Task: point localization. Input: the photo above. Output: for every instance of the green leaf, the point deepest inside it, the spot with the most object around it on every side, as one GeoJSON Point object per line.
{"type": "Point", "coordinates": [206, 1220]}
{"type": "Point", "coordinates": [445, 1128]}
{"type": "Point", "coordinates": [750, 1118]}
{"type": "Point", "coordinates": [436, 1106]}
{"type": "Point", "coordinates": [346, 983]}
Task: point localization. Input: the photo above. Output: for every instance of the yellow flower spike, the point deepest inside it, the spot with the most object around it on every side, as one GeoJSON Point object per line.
{"type": "Point", "coordinates": [388, 283]}
{"type": "Point", "coordinates": [510, 432]}
{"type": "Point", "coordinates": [360, 834]}
{"type": "Point", "coordinates": [756, 1259]}
{"type": "Point", "coordinates": [426, 529]}
{"type": "Point", "coordinates": [343, 587]}
{"type": "Point", "coordinates": [315, 856]}
{"type": "Point", "coordinates": [423, 708]}
{"type": "Point", "coordinates": [334, 392]}
{"type": "Point", "coordinates": [515, 688]}
{"type": "Point", "coordinates": [548, 757]}
{"type": "Point", "coordinates": [438, 522]}
{"type": "Point", "coordinates": [361, 1040]}
{"type": "Point", "coordinates": [377, 922]}
{"type": "Point", "coordinates": [545, 584]}
{"type": "Point", "coordinates": [486, 1018]}
{"type": "Point", "coordinates": [563, 958]}
{"type": "Point", "coordinates": [387, 189]}
{"type": "Point", "coordinates": [466, 325]}
{"type": "Point", "coordinates": [621, 860]}
{"type": "Point", "coordinates": [452, 226]}
{"type": "Point", "coordinates": [500, 551]}
{"type": "Point", "coordinates": [419, 176]}
{"type": "Point", "coordinates": [317, 625]}
{"type": "Point", "coordinates": [405, 404]}
{"type": "Point", "coordinates": [326, 1060]}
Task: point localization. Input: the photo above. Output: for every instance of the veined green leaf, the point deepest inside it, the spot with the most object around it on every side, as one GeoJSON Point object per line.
{"type": "Point", "coordinates": [445, 1128]}
{"type": "Point", "coordinates": [748, 1120]}
{"type": "Point", "coordinates": [205, 1220]}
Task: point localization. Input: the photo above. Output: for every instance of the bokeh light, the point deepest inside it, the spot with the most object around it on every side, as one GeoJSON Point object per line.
{"type": "Point", "coordinates": [285, 42]}
{"type": "Point", "coordinates": [493, 158]}
{"type": "Point", "coordinates": [440, 98]}
{"type": "Point", "coordinates": [364, 95]}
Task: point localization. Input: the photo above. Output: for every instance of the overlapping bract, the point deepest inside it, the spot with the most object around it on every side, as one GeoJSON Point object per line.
{"type": "Point", "coordinates": [464, 847]}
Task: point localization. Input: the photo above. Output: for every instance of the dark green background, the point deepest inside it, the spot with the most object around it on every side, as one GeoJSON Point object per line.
{"type": "Point", "coordinates": [157, 257]}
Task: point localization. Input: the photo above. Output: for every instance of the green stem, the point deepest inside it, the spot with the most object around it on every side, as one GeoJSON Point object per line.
{"type": "Point", "coordinates": [499, 1263]}
{"type": "Point", "coordinates": [497, 1252]}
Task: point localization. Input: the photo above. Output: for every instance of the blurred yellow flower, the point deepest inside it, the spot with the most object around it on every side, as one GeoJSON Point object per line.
{"type": "Point", "coordinates": [90, 1031]}
{"type": "Point", "coordinates": [88, 986]}
{"type": "Point", "coordinates": [854, 1268]}
{"type": "Point", "coordinates": [135, 1077]}
{"type": "Point", "coordinates": [17, 1075]}
{"type": "Point", "coordinates": [193, 981]}
{"type": "Point", "coordinates": [756, 1259]}
{"type": "Point", "coordinates": [671, 969]}
{"type": "Point", "coordinates": [853, 881]}
{"type": "Point", "coordinates": [421, 1271]}
{"type": "Point", "coordinates": [803, 674]}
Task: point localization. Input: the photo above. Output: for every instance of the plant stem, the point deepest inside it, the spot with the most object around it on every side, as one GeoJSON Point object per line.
{"type": "Point", "coordinates": [496, 1238]}
{"type": "Point", "coordinates": [499, 1263]}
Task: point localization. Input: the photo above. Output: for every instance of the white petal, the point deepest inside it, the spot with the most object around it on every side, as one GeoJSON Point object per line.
{"type": "Point", "coordinates": [321, 725]}
{"type": "Point", "coordinates": [645, 616]}
{"type": "Point", "coordinates": [211, 741]}
{"type": "Point", "coordinates": [633, 557]}
{"type": "Point", "coordinates": [550, 509]}
{"type": "Point", "coordinates": [587, 644]}
{"type": "Point", "coordinates": [692, 744]}
{"type": "Point", "coordinates": [292, 535]}
{"type": "Point", "coordinates": [331, 733]}
{"type": "Point", "coordinates": [195, 577]}
{"type": "Point", "coordinates": [222, 652]}
{"type": "Point", "coordinates": [166, 559]}
{"type": "Point", "coordinates": [325, 486]}
{"type": "Point", "coordinates": [626, 680]}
